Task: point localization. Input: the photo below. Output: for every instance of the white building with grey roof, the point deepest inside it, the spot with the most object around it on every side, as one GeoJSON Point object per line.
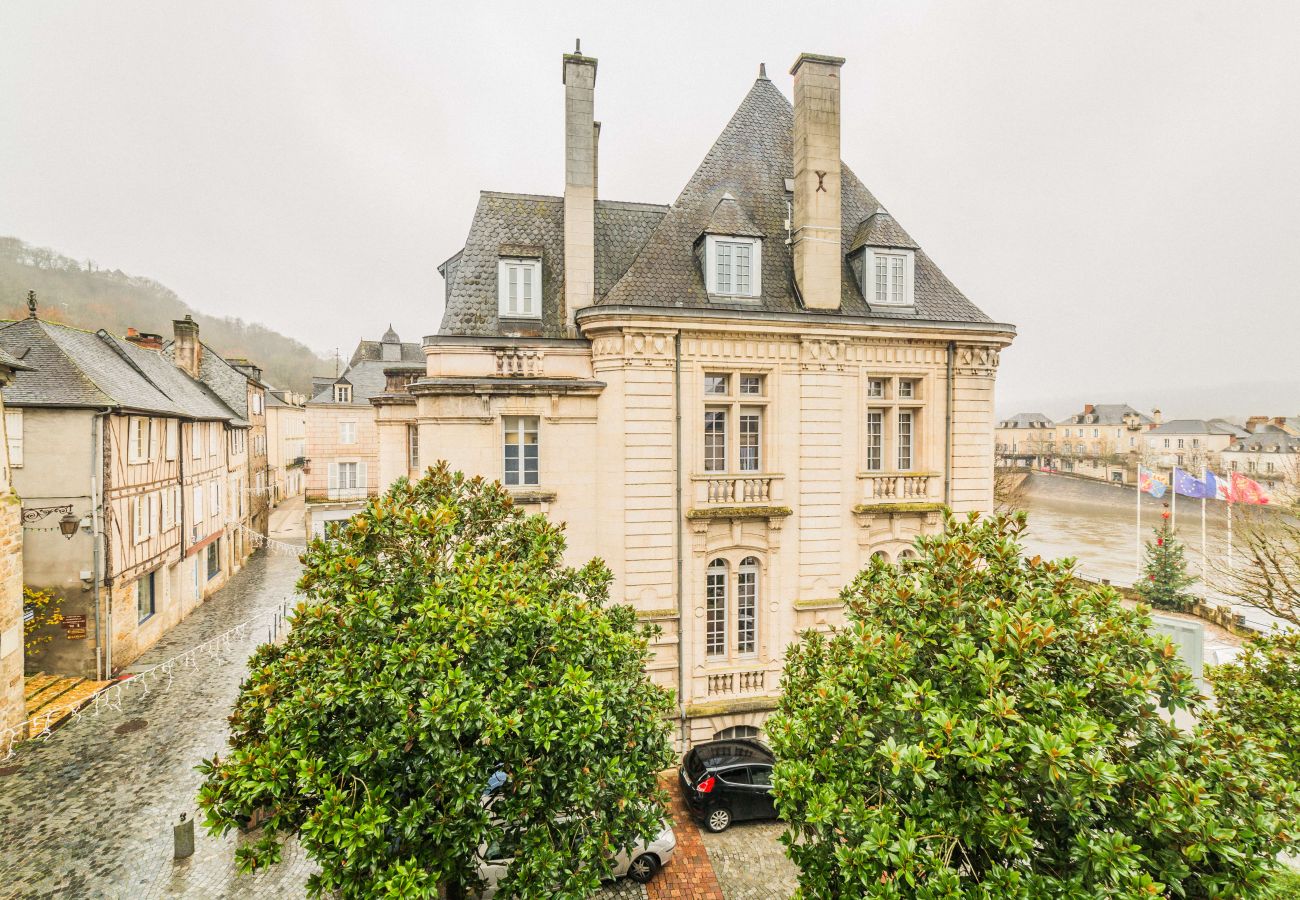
{"type": "Point", "coordinates": [736, 399]}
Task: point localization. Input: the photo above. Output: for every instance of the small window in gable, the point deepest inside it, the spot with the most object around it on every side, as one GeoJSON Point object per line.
{"type": "Point", "coordinates": [733, 266]}
{"type": "Point", "coordinates": [519, 288]}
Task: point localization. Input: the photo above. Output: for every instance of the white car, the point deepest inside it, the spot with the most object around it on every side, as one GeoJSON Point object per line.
{"type": "Point", "coordinates": [640, 865]}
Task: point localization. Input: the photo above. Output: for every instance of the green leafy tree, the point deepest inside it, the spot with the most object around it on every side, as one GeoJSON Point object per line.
{"type": "Point", "coordinates": [1167, 580]}
{"type": "Point", "coordinates": [37, 631]}
{"type": "Point", "coordinates": [1260, 691]}
{"type": "Point", "coordinates": [985, 726]}
{"type": "Point", "coordinates": [443, 645]}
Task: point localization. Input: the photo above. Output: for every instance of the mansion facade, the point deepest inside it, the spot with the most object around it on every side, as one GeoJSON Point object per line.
{"type": "Point", "coordinates": [736, 400]}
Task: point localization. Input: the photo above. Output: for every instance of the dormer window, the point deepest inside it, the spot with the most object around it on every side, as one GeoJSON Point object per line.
{"type": "Point", "coordinates": [519, 288]}
{"type": "Point", "coordinates": [342, 393]}
{"type": "Point", "coordinates": [889, 278]}
{"type": "Point", "coordinates": [733, 265]}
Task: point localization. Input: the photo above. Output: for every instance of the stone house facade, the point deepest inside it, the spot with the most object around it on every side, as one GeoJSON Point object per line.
{"type": "Point", "coordinates": [1103, 441]}
{"type": "Point", "coordinates": [115, 434]}
{"type": "Point", "coordinates": [286, 443]}
{"type": "Point", "coordinates": [12, 639]}
{"type": "Point", "coordinates": [1190, 444]}
{"type": "Point", "coordinates": [736, 400]}
{"type": "Point", "coordinates": [342, 429]}
{"type": "Point", "coordinates": [1025, 439]}
{"type": "Point", "coordinates": [1269, 452]}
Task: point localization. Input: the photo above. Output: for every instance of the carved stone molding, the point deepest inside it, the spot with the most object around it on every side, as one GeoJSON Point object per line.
{"type": "Point", "coordinates": [976, 361]}
{"type": "Point", "coordinates": [634, 348]}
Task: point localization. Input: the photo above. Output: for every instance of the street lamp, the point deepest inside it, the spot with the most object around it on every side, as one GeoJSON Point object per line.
{"type": "Point", "coordinates": [69, 524]}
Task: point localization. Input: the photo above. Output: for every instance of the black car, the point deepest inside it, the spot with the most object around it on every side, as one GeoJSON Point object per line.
{"type": "Point", "coordinates": [728, 781]}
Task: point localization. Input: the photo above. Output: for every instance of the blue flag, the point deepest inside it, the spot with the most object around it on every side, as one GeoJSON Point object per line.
{"type": "Point", "coordinates": [1190, 486]}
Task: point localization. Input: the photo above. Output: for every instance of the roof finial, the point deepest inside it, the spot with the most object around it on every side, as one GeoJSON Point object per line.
{"type": "Point", "coordinates": [577, 47]}
{"type": "Point", "coordinates": [31, 304]}
{"type": "Point", "coordinates": [762, 71]}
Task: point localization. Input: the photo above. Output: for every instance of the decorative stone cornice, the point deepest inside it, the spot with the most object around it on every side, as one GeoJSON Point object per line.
{"type": "Point", "coordinates": [637, 347]}
{"type": "Point", "coordinates": [469, 386]}
{"type": "Point", "coordinates": [976, 361]}
{"type": "Point", "coordinates": [738, 512]}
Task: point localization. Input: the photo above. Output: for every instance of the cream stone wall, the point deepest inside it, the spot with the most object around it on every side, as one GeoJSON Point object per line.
{"type": "Point", "coordinates": [324, 447]}
{"type": "Point", "coordinates": [631, 484]}
{"type": "Point", "coordinates": [286, 436]}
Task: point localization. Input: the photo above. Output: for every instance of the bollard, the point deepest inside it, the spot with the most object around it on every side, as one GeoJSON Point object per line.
{"type": "Point", "coordinates": [183, 837]}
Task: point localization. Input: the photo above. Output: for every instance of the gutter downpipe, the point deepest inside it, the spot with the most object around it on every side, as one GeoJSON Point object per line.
{"type": "Point", "coordinates": [677, 475]}
{"type": "Point", "coordinates": [103, 650]}
{"type": "Point", "coordinates": [947, 429]}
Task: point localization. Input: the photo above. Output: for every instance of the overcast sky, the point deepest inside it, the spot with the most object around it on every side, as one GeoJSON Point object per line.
{"type": "Point", "coordinates": [1117, 179]}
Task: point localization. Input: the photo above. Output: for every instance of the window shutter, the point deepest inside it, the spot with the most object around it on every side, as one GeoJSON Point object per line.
{"type": "Point", "coordinates": [334, 476]}
{"type": "Point", "coordinates": [14, 434]}
{"type": "Point", "coordinates": [361, 476]}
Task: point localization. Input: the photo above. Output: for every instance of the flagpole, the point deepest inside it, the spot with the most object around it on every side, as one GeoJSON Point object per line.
{"type": "Point", "coordinates": [1138, 534]}
{"type": "Point", "coordinates": [1173, 486]}
{"type": "Point", "coordinates": [1205, 481]}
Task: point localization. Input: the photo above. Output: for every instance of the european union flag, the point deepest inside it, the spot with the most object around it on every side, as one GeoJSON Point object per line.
{"type": "Point", "coordinates": [1190, 486]}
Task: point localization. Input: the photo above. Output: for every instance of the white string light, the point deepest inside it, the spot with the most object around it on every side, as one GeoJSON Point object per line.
{"type": "Point", "coordinates": [111, 696]}
{"type": "Point", "coordinates": [274, 547]}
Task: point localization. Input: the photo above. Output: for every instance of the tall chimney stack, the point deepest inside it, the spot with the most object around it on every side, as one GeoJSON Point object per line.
{"type": "Point", "coordinates": [579, 183]}
{"type": "Point", "coordinates": [188, 351]}
{"type": "Point", "coordinates": [818, 259]}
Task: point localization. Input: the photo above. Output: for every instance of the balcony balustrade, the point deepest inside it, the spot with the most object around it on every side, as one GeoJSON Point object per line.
{"type": "Point", "coordinates": [736, 489]}
{"type": "Point", "coordinates": [749, 681]}
{"type": "Point", "coordinates": [899, 487]}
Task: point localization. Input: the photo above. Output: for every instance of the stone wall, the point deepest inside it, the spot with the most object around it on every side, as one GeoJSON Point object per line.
{"type": "Point", "coordinates": [12, 710]}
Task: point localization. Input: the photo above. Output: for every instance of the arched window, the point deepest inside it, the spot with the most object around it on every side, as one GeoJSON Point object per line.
{"type": "Point", "coordinates": [906, 553]}
{"type": "Point", "coordinates": [880, 555]}
{"type": "Point", "coordinates": [736, 731]}
{"type": "Point", "coordinates": [715, 609]}
{"type": "Point", "coordinates": [747, 606]}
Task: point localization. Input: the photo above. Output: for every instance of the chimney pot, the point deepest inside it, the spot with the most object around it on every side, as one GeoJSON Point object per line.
{"type": "Point", "coordinates": [815, 236]}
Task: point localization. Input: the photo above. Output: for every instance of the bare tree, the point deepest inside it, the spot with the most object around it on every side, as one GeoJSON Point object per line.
{"type": "Point", "coordinates": [1265, 569]}
{"type": "Point", "coordinates": [1009, 488]}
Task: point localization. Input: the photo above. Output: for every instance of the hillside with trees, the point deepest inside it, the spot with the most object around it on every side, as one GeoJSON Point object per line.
{"type": "Point", "coordinates": [86, 296]}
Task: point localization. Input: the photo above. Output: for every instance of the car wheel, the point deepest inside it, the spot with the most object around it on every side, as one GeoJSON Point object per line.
{"type": "Point", "coordinates": [718, 820]}
{"type": "Point", "coordinates": [643, 868]}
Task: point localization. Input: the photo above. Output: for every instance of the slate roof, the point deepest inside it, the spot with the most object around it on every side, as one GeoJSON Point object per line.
{"type": "Point", "coordinates": [365, 371]}
{"type": "Point", "coordinates": [74, 368]}
{"type": "Point", "coordinates": [1026, 420]}
{"type": "Point", "coordinates": [529, 224]}
{"type": "Point", "coordinates": [1267, 442]}
{"type": "Point", "coordinates": [645, 254]}
{"type": "Point", "coordinates": [1195, 426]}
{"type": "Point", "coordinates": [1106, 414]}
{"type": "Point", "coordinates": [729, 218]}
{"type": "Point", "coordinates": [880, 229]}
{"type": "Point", "coordinates": [12, 362]}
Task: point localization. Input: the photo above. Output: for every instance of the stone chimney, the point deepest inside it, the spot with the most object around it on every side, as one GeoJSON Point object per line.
{"type": "Point", "coordinates": [188, 352]}
{"type": "Point", "coordinates": [1089, 409]}
{"type": "Point", "coordinates": [144, 339]}
{"type": "Point", "coordinates": [580, 132]}
{"type": "Point", "coordinates": [815, 231]}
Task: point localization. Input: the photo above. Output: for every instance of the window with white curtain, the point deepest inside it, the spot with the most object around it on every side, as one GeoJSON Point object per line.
{"type": "Point", "coordinates": [520, 450]}
{"type": "Point", "coordinates": [14, 436]}
{"type": "Point", "coordinates": [715, 440]}
{"type": "Point", "coordinates": [905, 434]}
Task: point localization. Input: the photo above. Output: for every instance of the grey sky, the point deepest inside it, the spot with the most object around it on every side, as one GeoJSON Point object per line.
{"type": "Point", "coordinates": [1118, 179]}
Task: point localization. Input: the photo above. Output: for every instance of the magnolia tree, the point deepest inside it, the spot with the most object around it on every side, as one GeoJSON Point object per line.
{"type": "Point", "coordinates": [986, 726]}
{"type": "Point", "coordinates": [1260, 691]}
{"type": "Point", "coordinates": [448, 684]}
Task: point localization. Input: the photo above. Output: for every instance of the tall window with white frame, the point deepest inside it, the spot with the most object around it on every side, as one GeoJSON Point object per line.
{"type": "Point", "coordinates": [519, 288]}
{"type": "Point", "coordinates": [520, 451]}
{"type": "Point", "coordinates": [892, 419]}
{"type": "Point", "coordinates": [734, 404]}
{"type": "Point", "coordinates": [747, 606]}
{"type": "Point", "coordinates": [715, 609]}
{"type": "Point", "coordinates": [413, 446]}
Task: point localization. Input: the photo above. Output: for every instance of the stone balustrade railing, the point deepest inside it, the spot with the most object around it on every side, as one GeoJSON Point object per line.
{"type": "Point", "coordinates": [518, 362]}
{"type": "Point", "coordinates": [742, 682]}
{"type": "Point", "coordinates": [898, 487]}
{"type": "Point", "coordinates": [736, 489]}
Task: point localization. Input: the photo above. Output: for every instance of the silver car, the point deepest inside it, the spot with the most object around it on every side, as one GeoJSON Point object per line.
{"type": "Point", "coordinates": [640, 865]}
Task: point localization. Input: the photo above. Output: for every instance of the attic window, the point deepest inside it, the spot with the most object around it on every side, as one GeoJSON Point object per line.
{"type": "Point", "coordinates": [342, 393]}
{"type": "Point", "coordinates": [733, 266]}
{"type": "Point", "coordinates": [889, 277]}
{"type": "Point", "coordinates": [519, 288]}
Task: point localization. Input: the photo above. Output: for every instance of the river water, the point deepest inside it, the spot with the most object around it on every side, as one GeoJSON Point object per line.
{"type": "Point", "coordinates": [1096, 523]}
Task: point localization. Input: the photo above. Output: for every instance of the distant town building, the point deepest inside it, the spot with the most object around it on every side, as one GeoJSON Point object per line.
{"type": "Point", "coordinates": [132, 447]}
{"type": "Point", "coordinates": [342, 443]}
{"type": "Point", "coordinates": [1103, 441]}
{"type": "Point", "coordinates": [286, 443]}
{"type": "Point", "coordinates": [12, 703]}
{"type": "Point", "coordinates": [1025, 439]}
{"type": "Point", "coordinates": [1270, 454]}
{"type": "Point", "coordinates": [1191, 444]}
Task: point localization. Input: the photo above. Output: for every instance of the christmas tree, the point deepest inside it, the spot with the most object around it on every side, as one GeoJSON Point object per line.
{"type": "Point", "coordinates": [1166, 582]}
